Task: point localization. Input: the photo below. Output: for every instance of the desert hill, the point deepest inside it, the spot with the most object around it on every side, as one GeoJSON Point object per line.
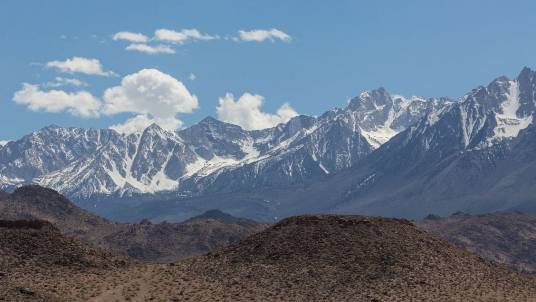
{"type": "Point", "coordinates": [333, 258]}
{"type": "Point", "coordinates": [171, 241]}
{"type": "Point", "coordinates": [38, 263]}
{"type": "Point", "coordinates": [142, 241]}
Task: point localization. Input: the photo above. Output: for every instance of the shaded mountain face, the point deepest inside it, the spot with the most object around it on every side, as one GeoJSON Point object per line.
{"type": "Point", "coordinates": [143, 241]}
{"type": "Point", "coordinates": [211, 156]}
{"type": "Point", "coordinates": [475, 156]}
{"type": "Point", "coordinates": [337, 258]}
{"type": "Point", "coordinates": [505, 238]}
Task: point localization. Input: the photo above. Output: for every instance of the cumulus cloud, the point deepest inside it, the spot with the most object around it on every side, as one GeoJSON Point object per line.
{"type": "Point", "coordinates": [134, 124]}
{"type": "Point", "coordinates": [260, 35]}
{"type": "Point", "coordinates": [80, 65]}
{"type": "Point", "coordinates": [140, 122]}
{"type": "Point", "coordinates": [152, 50]}
{"type": "Point", "coordinates": [150, 92]}
{"type": "Point", "coordinates": [246, 112]}
{"type": "Point", "coordinates": [153, 96]}
{"type": "Point", "coordinates": [81, 103]}
{"type": "Point", "coordinates": [131, 37]}
{"type": "Point", "coordinates": [182, 36]}
{"type": "Point", "coordinates": [61, 81]}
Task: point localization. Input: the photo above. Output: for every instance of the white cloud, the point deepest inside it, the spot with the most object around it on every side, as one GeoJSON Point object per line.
{"type": "Point", "coordinates": [80, 65]}
{"type": "Point", "coordinates": [182, 36]}
{"type": "Point", "coordinates": [155, 97]}
{"type": "Point", "coordinates": [152, 50]}
{"type": "Point", "coordinates": [133, 125]}
{"type": "Point", "coordinates": [81, 103]}
{"type": "Point", "coordinates": [246, 112]}
{"type": "Point", "coordinates": [61, 81]}
{"type": "Point", "coordinates": [130, 36]}
{"type": "Point", "coordinates": [192, 77]}
{"type": "Point", "coordinates": [260, 35]}
{"type": "Point", "coordinates": [152, 93]}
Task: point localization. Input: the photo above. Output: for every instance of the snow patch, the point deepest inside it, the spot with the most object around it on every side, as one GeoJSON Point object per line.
{"type": "Point", "coordinates": [509, 124]}
{"type": "Point", "coordinates": [381, 134]}
{"type": "Point", "coordinates": [13, 181]}
{"type": "Point", "coordinates": [323, 168]}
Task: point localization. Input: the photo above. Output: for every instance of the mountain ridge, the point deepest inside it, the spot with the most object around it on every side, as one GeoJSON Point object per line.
{"type": "Point", "coordinates": [199, 158]}
{"type": "Point", "coordinates": [439, 156]}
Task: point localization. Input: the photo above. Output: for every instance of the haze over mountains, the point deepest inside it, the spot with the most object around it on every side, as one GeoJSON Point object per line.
{"type": "Point", "coordinates": [382, 155]}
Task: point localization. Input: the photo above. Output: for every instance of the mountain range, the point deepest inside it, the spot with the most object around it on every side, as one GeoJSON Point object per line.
{"type": "Point", "coordinates": [382, 154]}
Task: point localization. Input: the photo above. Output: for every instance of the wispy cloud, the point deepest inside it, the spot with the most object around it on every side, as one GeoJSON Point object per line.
{"type": "Point", "coordinates": [131, 37]}
{"type": "Point", "coordinates": [61, 81]}
{"type": "Point", "coordinates": [182, 36]}
{"type": "Point", "coordinates": [169, 38]}
{"type": "Point", "coordinates": [261, 35]}
{"type": "Point", "coordinates": [80, 65]}
{"type": "Point", "coordinates": [152, 50]}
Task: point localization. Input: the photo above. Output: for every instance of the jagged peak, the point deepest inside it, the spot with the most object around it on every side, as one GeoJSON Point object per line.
{"type": "Point", "coordinates": [210, 120]}
{"type": "Point", "coordinates": [214, 122]}
{"type": "Point", "coordinates": [380, 91]}
{"type": "Point", "coordinates": [154, 127]}
{"type": "Point", "coordinates": [154, 130]}
{"type": "Point", "coordinates": [370, 98]}
{"type": "Point", "coordinates": [209, 123]}
{"type": "Point", "coordinates": [501, 79]}
{"type": "Point", "coordinates": [51, 126]}
{"type": "Point", "coordinates": [526, 72]}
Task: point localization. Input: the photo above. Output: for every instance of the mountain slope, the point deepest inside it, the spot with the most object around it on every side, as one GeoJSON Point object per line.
{"type": "Point", "coordinates": [466, 157]}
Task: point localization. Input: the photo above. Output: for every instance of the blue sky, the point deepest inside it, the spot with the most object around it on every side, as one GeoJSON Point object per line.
{"type": "Point", "coordinates": [335, 50]}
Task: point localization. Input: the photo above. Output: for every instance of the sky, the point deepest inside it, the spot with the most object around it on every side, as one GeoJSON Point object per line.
{"type": "Point", "coordinates": [126, 64]}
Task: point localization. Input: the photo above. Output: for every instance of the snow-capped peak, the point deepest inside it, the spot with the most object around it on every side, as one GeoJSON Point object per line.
{"type": "Point", "coordinates": [381, 116]}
